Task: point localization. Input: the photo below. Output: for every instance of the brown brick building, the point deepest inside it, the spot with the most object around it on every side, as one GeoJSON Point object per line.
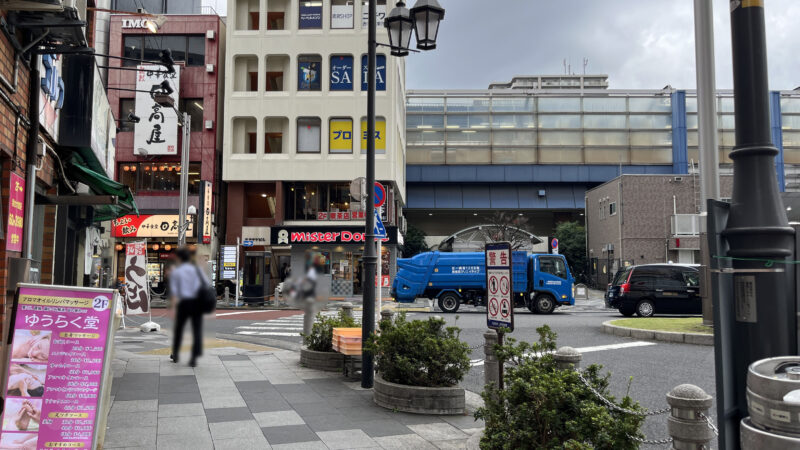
{"type": "Point", "coordinates": [642, 219]}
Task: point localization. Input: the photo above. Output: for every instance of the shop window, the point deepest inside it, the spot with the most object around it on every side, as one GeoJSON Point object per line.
{"type": "Point", "coordinates": [158, 177]}
{"type": "Point", "coordinates": [341, 73]}
{"type": "Point", "coordinates": [320, 201]}
{"type": "Point", "coordinates": [380, 135]}
{"type": "Point", "coordinates": [308, 134]}
{"type": "Point", "coordinates": [342, 14]}
{"type": "Point", "coordinates": [247, 14]}
{"type": "Point", "coordinates": [127, 175]}
{"type": "Point", "coordinates": [310, 14]}
{"type": "Point", "coordinates": [245, 72]}
{"type": "Point", "coordinates": [260, 201]}
{"type": "Point", "coordinates": [340, 138]}
{"type": "Point", "coordinates": [193, 106]}
{"type": "Point", "coordinates": [244, 135]}
{"type": "Point", "coordinates": [275, 128]}
{"type": "Point", "coordinates": [277, 66]}
{"type": "Point", "coordinates": [126, 106]}
{"type": "Point", "coordinates": [309, 73]}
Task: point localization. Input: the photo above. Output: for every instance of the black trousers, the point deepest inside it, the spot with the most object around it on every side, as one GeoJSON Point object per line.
{"type": "Point", "coordinates": [188, 309]}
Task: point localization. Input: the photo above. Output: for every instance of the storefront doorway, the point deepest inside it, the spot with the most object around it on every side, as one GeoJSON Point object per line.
{"type": "Point", "coordinates": [256, 276]}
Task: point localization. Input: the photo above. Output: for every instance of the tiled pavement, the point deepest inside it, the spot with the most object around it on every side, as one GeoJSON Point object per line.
{"type": "Point", "coordinates": [242, 396]}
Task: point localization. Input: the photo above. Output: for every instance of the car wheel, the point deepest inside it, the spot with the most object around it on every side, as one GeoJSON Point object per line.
{"type": "Point", "coordinates": [645, 308]}
{"type": "Point", "coordinates": [449, 303]}
{"type": "Point", "coordinates": [544, 304]}
{"type": "Point", "coordinates": [627, 312]}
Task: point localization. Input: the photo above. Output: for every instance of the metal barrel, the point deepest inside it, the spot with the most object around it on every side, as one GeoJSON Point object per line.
{"type": "Point", "coordinates": [754, 438]}
{"type": "Point", "coordinates": [773, 394]}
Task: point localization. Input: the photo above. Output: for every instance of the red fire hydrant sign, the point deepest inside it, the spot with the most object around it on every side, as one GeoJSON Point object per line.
{"type": "Point", "coordinates": [499, 287]}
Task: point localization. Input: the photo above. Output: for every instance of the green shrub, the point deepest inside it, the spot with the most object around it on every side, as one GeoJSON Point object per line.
{"type": "Point", "coordinates": [544, 407]}
{"type": "Point", "coordinates": [321, 337]}
{"type": "Point", "coordinates": [420, 352]}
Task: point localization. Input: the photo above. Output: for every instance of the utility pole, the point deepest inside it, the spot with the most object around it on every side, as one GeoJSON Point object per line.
{"type": "Point", "coordinates": [760, 318]}
{"type": "Point", "coordinates": [184, 198]}
{"type": "Point", "coordinates": [30, 160]}
{"type": "Point", "coordinates": [370, 256]}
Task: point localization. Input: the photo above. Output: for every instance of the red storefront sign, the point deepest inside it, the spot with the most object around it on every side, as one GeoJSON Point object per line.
{"type": "Point", "coordinates": [148, 225]}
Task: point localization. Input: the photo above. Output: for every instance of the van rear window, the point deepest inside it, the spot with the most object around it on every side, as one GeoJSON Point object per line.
{"type": "Point", "coordinates": [622, 275]}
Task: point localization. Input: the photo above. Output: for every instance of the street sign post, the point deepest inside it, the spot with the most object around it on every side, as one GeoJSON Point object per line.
{"type": "Point", "coordinates": [380, 195]}
{"type": "Point", "coordinates": [379, 230]}
{"type": "Point", "coordinates": [499, 287]}
{"type": "Point", "coordinates": [554, 245]}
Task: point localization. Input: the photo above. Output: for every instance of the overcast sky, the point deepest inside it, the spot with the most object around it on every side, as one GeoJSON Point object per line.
{"type": "Point", "coordinates": [644, 44]}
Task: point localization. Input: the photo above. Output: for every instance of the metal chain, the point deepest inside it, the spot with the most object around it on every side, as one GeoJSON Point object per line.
{"type": "Point", "coordinates": [477, 347]}
{"type": "Point", "coordinates": [664, 441]}
{"type": "Point", "coordinates": [710, 424]}
{"type": "Point", "coordinates": [615, 407]}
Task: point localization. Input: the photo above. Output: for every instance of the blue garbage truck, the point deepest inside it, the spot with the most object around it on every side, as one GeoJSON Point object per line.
{"type": "Point", "coordinates": [542, 282]}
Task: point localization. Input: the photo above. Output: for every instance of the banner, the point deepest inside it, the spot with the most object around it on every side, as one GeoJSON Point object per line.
{"type": "Point", "coordinates": [380, 14]}
{"type": "Point", "coordinates": [380, 135]}
{"type": "Point", "coordinates": [137, 288]}
{"type": "Point", "coordinates": [229, 255]}
{"type": "Point", "coordinates": [308, 76]}
{"type": "Point", "coordinates": [205, 215]}
{"type": "Point", "coordinates": [341, 136]}
{"type": "Point", "coordinates": [149, 225]}
{"type": "Point", "coordinates": [16, 212]}
{"type": "Point", "coordinates": [60, 353]}
{"type": "Point", "coordinates": [310, 15]}
{"type": "Point", "coordinates": [380, 73]}
{"type": "Point", "coordinates": [342, 16]}
{"type": "Point", "coordinates": [157, 132]}
{"type": "Point", "coordinates": [341, 73]}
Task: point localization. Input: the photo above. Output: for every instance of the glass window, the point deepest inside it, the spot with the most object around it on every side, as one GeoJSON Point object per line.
{"type": "Point", "coordinates": [513, 104]}
{"type": "Point", "coordinates": [461, 104]}
{"type": "Point", "coordinates": [791, 139]}
{"type": "Point", "coordinates": [727, 121]}
{"type": "Point", "coordinates": [310, 14]}
{"type": "Point", "coordinates": [468, 121]}
{"type": "Point", "coordinates": [380, 135]}
{"type": "Point", "coordinates": [649, 104]}
{"type": "Point", "coordinates": [380, 13]}
{"type": "Point", "coordinates": [725, 104]}
{"type": "Point", "coordinates": [559, 104]}
{"type": "Point", "coordinates": [425, 104]}
{"type": "Point", "coordinates": [155, 44]}
{"type": "Point", "coordinates": [341, 135]}
{"type": "Point", "coordinates": [651, 155]}
{"type": "Point", "coordinates": [559, 121]}
{"type": "Point", "coordinates": [790, 105]}
{"type": "Point", "coordinates": [691, 104]}
{"type": "Point", "coordinates": [648, 138]}
{"type": "Point", "coordinates": [691, 121]}
{"type": "Point", "coordinates": [466, 155]}
{"type": "Point", "coordinates": [128, 174]}
{"type": "Point", "coordinates": [160, 177]}
{"type": "Point", "coordinates": [305, 200]}
{"type": "Point", "coordinates": [193, 106]}
{"type": "Point", "coordinates": [425, 155]}
{"type": "Point", "coordinates": [791, 155]}
{"type": "Point", "coordinates": [553, 266]}
{"type": "Point", "coordinates": [260, 201]}
{"type": "Point", "coordinates": [514, 155]}
{"type": "Point", "coordinates": [132, 49]}
{"type": "Point", "coordinates": [341, 72]}
{"type": "Point", "coordinates": [560, 138]}
{"type": "Point", "coordinates": [692, 137]}
{"type": "Point", "coordinates": [513, 121]}
{"type": "Point", "coordinates": [342, 14]}
{"type": "Point", "coordinates": [196, 53]}
{"type": "Point", "coordinates": [424, 121]}
{"type": "Point", "coordinates": [606, 155]}
{"type": "Point", "coordinates": [152, 6]}
{"type": "Point", "coordinates": [308, 73]}
{"type": "Point", "coordinates": [604, 104]}
{"type": "Point", "coordinates": [728, 138]}
{"type": "Point", "coordinates": [604, 121]}
{"type": "Point", "coordinates": [425, 137]}
{"type": "Point", "coordinates": [651, 121]}
{"type": "Point", "coordinates": [560, 155]}
{"type": "Point", "coordinates": [126, 106]}
{"type": "Point", "coordinates": [790, 122]}
{"type": "Point", "coordinates": [514, 138]}
{"type": "Point", "coordinates": [616, 138]}
{"type": "Point", "coordinates": [380, 73]}
{"type": "Point", "coordinates": [692, 278]}
{"type": "Point", "coordinates": [308, 134]}
{"type": "Point", "coordinates": [467, 137]}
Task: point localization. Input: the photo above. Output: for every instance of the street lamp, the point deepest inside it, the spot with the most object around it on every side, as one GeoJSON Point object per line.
{"type": "Point", "coordinates": [398, 23]}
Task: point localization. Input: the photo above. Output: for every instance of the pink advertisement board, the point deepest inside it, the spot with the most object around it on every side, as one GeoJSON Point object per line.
{"type": "Point", "coordinates": [56, 367]}
{"type": "Point", "coordinates": [16, 212]}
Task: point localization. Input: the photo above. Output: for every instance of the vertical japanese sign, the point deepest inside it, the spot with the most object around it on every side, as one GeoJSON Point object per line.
{"type": "Point", "coordinates": [16, 212]}
{"type": "Point", "coordinates": [341, 73]}
{"type": "Point", "coordinates": [380, 136]}
{"type": "Point", "coordinates": [60, 352]}
{"type": "Point", "coordinates": [157, 132]}
{"type": "Point", "coordinates": [229, 255]}
{"type": "Point", "coordinates": [137, 289]}
{"type": "Point", "coordinates": [341, 136]}
{"type": "Point", "coordinates": [499, 288]}
{"type": "Point", "coordinates": [206, 196]}
{"type": "Point", "coordinates": [380, 73]}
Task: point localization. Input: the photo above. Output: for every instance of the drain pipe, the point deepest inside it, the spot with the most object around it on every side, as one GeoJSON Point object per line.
{"type": "Point", "coordinates": [30, 159]}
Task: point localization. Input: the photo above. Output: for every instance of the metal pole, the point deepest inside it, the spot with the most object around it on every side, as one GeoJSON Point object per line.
{"type": "Point", "coordinates": [706, 100]}
{"type": "Point", "coordinates": [370, 258]}
{"type": "Point", "coordinates": [184, 199]}
{"type": "Point", "coordinates": [764, 324]}
{"type": "Point", "coordinates": [30, 159]}
{"type": "Point", "coordinates": [236, 301]}
{"type": "Point", "coordinates": [379, 294]}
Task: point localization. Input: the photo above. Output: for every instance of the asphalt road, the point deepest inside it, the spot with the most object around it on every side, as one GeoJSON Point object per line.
{"type": "Point", "coordinates": [650, 369]}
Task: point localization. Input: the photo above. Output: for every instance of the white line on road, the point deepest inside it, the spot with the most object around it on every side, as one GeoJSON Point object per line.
{"type": "Point", "coordinates": [270, 328]}
{"type": "Point", "coordinates": [596, 348]}
{"type": "Point", "coordinates": [239, 312]}
{"type": "Point", "coordinates": [260, 333]}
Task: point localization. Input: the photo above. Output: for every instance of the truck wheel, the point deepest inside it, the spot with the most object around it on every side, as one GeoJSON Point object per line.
{"type": "Point", "coordinates": [449, 303]}
{"type": "Point", "coordinates": [544, 304]}
{"type": "Point", "coordinates": [645, 308]}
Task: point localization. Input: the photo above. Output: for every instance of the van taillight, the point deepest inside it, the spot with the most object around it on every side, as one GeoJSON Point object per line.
{"type": "Point", "coordinates": [624, 288]}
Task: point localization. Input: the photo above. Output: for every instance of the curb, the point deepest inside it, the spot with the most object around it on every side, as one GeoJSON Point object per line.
{"type": "Point", "coordinates": [664, 336]}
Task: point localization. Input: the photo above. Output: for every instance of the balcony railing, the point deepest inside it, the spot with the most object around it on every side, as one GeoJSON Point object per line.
{"type": "Point", "coordinates": [685, 225]}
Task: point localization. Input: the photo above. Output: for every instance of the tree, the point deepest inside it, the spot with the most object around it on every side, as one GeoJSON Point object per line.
{"type": "Point", "coordinates": [414, 242]}
{"type": "Point", "coordinates": [572, 244]}
{"type": "Point", "coordinates": [509, 227]}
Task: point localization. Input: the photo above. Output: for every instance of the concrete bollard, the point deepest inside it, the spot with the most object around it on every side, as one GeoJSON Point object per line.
{"type": "Point", "coordinates": [386, 315]}
{"type": "Point", "coordinates": [491, 366]}
{"type": "Point", "coordinates": [227, 295]}
{"type": "Point", "coordinates": [567, 358]}
{"type": "Point", "coordinates": [688, 429]}
{"type": "Point", "coordinates": [347, 309]}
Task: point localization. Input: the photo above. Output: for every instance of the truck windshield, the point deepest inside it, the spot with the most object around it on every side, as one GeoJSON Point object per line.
{"type": "Point", "coordinates": [621, 276]}
{"type": "Point", "coordinates": [553, 266]}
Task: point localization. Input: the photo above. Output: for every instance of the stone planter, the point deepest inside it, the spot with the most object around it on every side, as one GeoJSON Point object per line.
{"type": "Point", "coordinates": [327, 361]}
{"type": "Point", "coordinates": [418, 400]}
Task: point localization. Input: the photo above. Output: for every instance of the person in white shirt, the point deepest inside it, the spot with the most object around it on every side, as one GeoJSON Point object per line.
{"type": "Point", "coordinates": [185, 282]}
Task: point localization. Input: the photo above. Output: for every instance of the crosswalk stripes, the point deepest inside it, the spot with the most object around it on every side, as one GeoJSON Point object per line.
{"type": "Point", "coordinates": [284, 327]}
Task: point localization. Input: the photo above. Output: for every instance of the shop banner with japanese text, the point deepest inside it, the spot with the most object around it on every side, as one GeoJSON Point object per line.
{"type": "Point", "coordinates": [60, 352]}
{"type": "Point", "coordinates": [137, 289]}
{"type": "Point", "coordinates": [157, 131]}
{"type": "Point", "coordinates": [16, 212]}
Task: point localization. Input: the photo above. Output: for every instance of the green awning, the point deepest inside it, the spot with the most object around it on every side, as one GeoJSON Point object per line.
{"type": "Point", "coordinates": [83, 166]}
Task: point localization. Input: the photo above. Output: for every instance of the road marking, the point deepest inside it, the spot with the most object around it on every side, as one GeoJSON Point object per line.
{"type": "Point", "coordinates": [241, 312]}
{"type": "Point", "coordinates": [596, 348]}
{"type": "Point", "coordinates": [270, 328]}
{"type": "Point", "coordinates": [260, 333]}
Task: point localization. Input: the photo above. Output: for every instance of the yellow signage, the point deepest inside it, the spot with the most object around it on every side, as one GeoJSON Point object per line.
{"type": "Point", "coordinates": [380, 135]}
{"type": "Point", "coordinates": [341, 136]}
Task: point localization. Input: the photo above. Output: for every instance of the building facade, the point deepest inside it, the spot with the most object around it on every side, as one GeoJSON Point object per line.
{"type": "Point", "coordinates": [295, 107]}
{"type": "Point", "coordinates": [148, 153]}
{"type": "Point", "coordinates": [644, 219]}
{"type": "Point", "coordinates": [535, 145]}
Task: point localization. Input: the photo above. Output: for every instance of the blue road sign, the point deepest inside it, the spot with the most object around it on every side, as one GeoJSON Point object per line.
{"type": "Point", "coordinates": [380, 195]}
{"type": "Point", "coordinates": [248, 243]}
{"type": "Point", "coordinates": [379, 231]}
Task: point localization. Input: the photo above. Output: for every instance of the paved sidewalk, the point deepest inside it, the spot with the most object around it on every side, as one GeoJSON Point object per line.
{"type": "Point", "coordinates": [243, 396]}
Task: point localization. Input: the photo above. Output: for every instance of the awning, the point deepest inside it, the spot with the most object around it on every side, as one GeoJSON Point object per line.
{"type": "Point", "coordinates": [83, 166]}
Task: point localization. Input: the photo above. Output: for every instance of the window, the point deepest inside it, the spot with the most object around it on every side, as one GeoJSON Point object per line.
{"type": "Point", "coordinates": [513, 121]}
{"type": "Point", "coordinates": [341, 135]}
{"type": "Point", "coordinates": [513, 105]}
{"type": "Point", "coordinates": [196, 53]}
{"type": "Point", "coordinates": [426, 121]}
{"type": "Point", "coordinates": [152, 6]}
{"type": "Point", "coordinates": [158, 177]}
{"type": "Point", "coordinates": [277, 66]}
{"type": "Point", "coordinates": [310, 14]}
{"type": "Point", "coordinates": [380, 135]}
{"type": "Point", "coordinates": [260, 201]}
{"type": "Point", "coordinates": [462, 104]}
{"type": "Point", "coordinates": [468, 121]}
{"type": "Point", "coordinates": [380, 73]}
{"type": "Point", "coordinates": [193, 106]}
{"type": "Point", "coordinates": [649, 104]}
{"type": "Point", "coordinates": [552, 265]}
{"type": "Point", "coordinates": [425, 104]}
{"type": "Point", "coordinates": [556, 104]}
{"type": "Point", "coordinates": [187, 49]}
{"type": "Point", "coordinates": [274, 128]}
{"type": "Point", "coordinates": [692, 278]}
{"type": "Point", "coordinates": [308, 134]}
{"type": "Point", "coordinates": [126, 106]}
{"type": "Point", "coordinates": [308, 73]}
{"type": "Point", "coordinates": [604, 104]}
{"type": "Point", "coordinates": [380, 13]}
{"type": "Point", "coordinates": [342, 72]}
{"type": "Point", "coordinates": [275, 20]}
{"type": "Point", "coordinates": [559, 121]}
{"type": "Point", "coordinates": [342, 14]}
{"type": "Point", "coordinates": [612, 208]}
{"type": "Point", "coordinates": [132, 49]}
{"type": "Point", "coordinates": [604, 121]}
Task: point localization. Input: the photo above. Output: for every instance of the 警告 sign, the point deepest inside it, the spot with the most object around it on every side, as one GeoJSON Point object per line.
{"type": "Point", "coordinates": [149, 225]}
{"type": "Point", "coordinates": [157, 131]}
{"type": "Point", "coordinates": [499, 288]}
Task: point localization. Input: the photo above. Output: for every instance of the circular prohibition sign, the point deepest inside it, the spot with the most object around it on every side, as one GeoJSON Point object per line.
{"type": "Point", "coordinates": [504, 285]}
{"type": "Point", "coordinates": [493, 284]}
{"type": "Point", "coordinates": [504, 309]}
{"type": "Point", "coordinates": [493, 307]}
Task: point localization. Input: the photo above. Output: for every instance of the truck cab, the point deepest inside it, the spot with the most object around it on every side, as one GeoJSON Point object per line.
{"type": "Point", "coordinates": [552, 283]}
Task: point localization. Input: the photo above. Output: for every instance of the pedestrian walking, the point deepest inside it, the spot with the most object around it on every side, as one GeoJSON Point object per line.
{"type": "Point", "coordinates": [185, 283]}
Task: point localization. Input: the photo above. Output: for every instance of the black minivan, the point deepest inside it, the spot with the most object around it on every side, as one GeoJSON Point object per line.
{"type": "Point", "coordinates": [655, 289]}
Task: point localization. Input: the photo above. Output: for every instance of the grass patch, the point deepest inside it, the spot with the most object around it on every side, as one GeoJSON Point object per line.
{"type": "Point", "coordinates": [676, 324]}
